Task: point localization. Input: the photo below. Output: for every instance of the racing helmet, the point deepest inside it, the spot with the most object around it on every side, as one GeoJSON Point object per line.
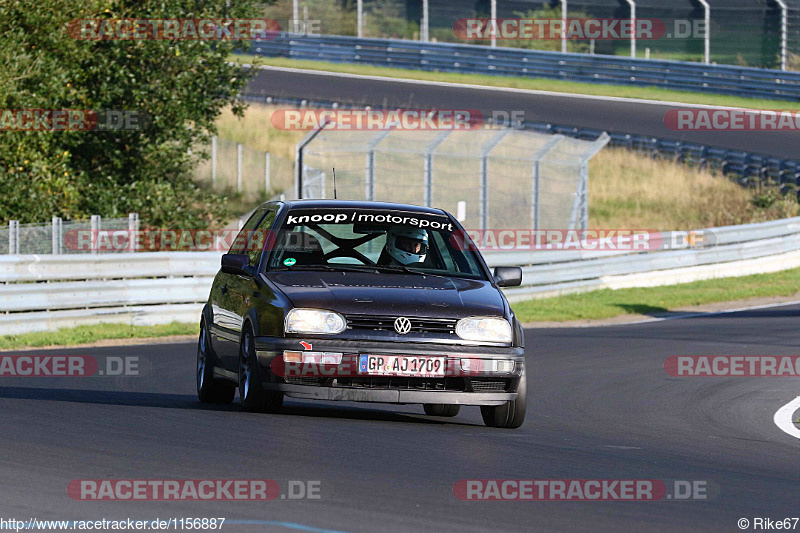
{"type": "Point", "coordinates": [407, 245]}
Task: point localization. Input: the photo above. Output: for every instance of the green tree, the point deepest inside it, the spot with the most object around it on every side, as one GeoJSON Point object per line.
{"type": "Point", "coordinates": [180, 85]}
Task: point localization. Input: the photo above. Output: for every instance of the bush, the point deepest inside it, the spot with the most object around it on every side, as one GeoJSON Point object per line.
{"type": "Point", "coordinates": [181, 85]}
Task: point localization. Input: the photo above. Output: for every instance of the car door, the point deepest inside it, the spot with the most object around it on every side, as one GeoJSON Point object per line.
{"type": "Point", "coordinates": [226, 325]}
{"type": "Point", "coordinates": [242, 288]}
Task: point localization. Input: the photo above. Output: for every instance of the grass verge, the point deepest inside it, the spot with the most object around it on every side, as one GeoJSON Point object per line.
{"type": "Point", "coordinates": [92, 333]}
{"type": "Point", "coordinates": [649, 301]}
{"type": "Point", "coordinates": [540, 84]}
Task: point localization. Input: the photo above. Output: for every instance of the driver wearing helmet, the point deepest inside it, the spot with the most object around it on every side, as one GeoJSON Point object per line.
{"type": "Point", "coordinates": [404, 246]}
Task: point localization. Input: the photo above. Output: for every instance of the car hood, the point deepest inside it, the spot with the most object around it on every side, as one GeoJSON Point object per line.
{"type": "Point", "coordinates": [390, 294]}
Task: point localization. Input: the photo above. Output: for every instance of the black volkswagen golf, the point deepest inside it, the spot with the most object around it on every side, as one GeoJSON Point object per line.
{"type": "Point", "coordinates": [366, 302]}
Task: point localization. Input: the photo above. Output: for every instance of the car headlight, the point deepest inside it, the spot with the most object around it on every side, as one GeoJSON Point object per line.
{"type": "Point", "coordinates": [300, 320]}
{"type": "Point", "coordinates": [486, 329]}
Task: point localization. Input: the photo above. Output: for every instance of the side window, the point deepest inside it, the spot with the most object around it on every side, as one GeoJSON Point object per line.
{"type": "Point", "coordinates": [446, 255]}
{"type": "Point", "coordinates": [258, 237]}
{"type": "Point", "coordinates": [239, 244]}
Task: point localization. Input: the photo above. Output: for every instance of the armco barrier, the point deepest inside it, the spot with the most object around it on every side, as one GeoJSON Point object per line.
{"type": "Point", "coordinates": [43, 292]}
{"type": "Point", "coordinates": [477, 59]}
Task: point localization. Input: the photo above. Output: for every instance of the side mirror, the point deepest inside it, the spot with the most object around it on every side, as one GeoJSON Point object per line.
{"type": "Point", "coordinates": [508, 276]}
{"type": "Point", "coordinates": [236, 264]}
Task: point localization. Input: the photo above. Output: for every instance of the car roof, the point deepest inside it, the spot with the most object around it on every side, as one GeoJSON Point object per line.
{"type": "Point", "coordinates": [359, 204]}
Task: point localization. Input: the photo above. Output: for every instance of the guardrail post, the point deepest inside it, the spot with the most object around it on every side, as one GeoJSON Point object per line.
{"type": "Point", "coordinates": [13, 237]}
{"type": "Point", "coordinates": [95, 227]}
{"type": "Point", "coordinates": [133, 231]}
{"type": "Point", "coordinates": [57, 235]}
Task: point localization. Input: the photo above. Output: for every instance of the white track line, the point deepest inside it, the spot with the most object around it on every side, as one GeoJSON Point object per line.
{"type": "Point", "coordinates": [783, 418]}
{"type": "Point", "coordinates": [492, 88]}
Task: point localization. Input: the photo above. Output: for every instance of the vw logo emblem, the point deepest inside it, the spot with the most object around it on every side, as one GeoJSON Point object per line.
{"type": "Point", "coordinates": [402, 325]}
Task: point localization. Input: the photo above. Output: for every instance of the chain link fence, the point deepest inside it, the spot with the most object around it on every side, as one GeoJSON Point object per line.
{"type": "Point", "coordinates": [742, 32]}
{"type": "Point", "coordinates": [490, 178]}
{"type": "Point", "coordinates": [66, 237]}
{"type": "Point", "coordinates": [236, 168]}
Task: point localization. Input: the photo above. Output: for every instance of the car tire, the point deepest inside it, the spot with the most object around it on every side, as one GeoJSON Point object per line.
{"type": "Point", "coordinates": [253, 397]}
{"type": "Point", "coordinates": [511, 414]}
{"type": "Point", "coordinates": [441, 409]}
{"type": "Point", "coordinates": [210, 389]}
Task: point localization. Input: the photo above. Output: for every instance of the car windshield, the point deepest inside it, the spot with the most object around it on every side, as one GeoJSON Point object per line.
{"type": "Point", "coordinates": [375, 240]}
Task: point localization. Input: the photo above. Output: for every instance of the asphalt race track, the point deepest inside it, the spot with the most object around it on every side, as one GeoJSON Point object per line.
{"type": "Point", "coordinates": [601, 406]}
{"type": "Point", "coordinates": [628, 116]}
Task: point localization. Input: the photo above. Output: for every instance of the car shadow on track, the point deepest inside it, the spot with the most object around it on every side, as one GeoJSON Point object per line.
{"type": "Point", "coordinates": [189, 401]}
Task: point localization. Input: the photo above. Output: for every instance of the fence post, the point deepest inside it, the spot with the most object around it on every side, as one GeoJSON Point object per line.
{"type": "Point", "coordinates": [267, 184]}
{"type": "Point", "coordinates": [133, 231]}
{"type": "Point", "coordinates": [784, 15]}
{"type": "Point", "coordinates": [95, 227]}
{"type": "Point", "coordinates": [537, 159]}
{"type": "Point", "coordinates": [707, 24]}
{"type": "Point", "coordinates": [213, 161]}
{"type": "Point", "coordinates": [299, 166]}
{"type": "Point", "coordinates": [493, 23]}
{"type": "Point", "coordinates": [360, 7]}
{"type": "Point", "coordinates": [428, 172]}
{"type": "Point", "coordinates": [239, 167]}
{"type": "Point", "coordinates": [423, 26]}
{"type": "Point", "coordinates": [484, 196]}
{"type": "Point", "coordinates": [563, 26]}
{"type": "Point", "coordinates": [13, 236]}
{"type": "Point", "coordinates": [370, 184]}
{"type": "Point", "coordinates": [57, 235]}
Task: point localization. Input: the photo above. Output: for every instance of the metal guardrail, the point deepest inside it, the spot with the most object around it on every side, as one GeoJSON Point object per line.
{"type": "Point", "coordinates": [477, 59]}
{"type": "Point", "coordinates": [50, 291]}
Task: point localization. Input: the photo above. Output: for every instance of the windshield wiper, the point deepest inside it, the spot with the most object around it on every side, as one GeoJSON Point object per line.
{"type": "Point", "coordinates": [328, 268]}
{"type": "Point", "coordinates": [406, 270]}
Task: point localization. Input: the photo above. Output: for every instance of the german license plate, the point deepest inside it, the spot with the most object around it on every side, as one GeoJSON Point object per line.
{"type": "Point", "coordinates": [402, 365]}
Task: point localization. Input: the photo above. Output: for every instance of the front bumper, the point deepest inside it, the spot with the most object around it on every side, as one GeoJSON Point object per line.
{"type": "Point", "coordinates": [476, 387]}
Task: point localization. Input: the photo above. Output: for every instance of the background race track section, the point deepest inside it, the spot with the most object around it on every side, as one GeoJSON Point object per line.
{"type": "Point", "coordinates": [623, 115]}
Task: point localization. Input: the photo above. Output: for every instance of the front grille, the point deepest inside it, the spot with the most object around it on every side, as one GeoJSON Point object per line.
{"type": "Point", "coordinates": [490, 385]}
{"type": "Point", "coordinates": [386, 323]}
{"type": "Point", "coordinates": [406, 383]}
{"type": "Point", "coordinates": [303, 381]}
